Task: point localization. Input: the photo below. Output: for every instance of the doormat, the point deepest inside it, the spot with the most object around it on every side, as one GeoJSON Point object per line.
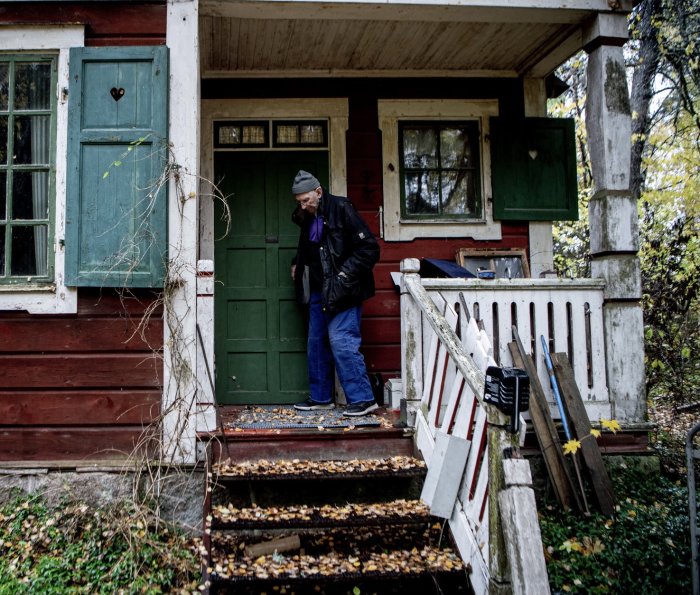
{"type": "Point", "coordinates": [274, 417]}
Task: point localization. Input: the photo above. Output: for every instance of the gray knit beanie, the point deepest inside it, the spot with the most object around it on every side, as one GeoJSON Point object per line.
{"type": "Point", "coordinates": [304, 182]}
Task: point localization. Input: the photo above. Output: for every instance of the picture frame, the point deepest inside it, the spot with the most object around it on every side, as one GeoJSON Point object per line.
{"type": "Point", "coordinates": [506, 263]}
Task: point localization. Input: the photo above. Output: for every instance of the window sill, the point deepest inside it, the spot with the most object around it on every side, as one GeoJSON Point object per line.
{"type": "Point", "coordinates": [411, 229]}
{"type": "Point", "coordinates": [39, 299]}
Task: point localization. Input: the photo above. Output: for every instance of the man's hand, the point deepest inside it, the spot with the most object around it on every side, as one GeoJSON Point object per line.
{"type": "Point", "coordinates": [294, 270]}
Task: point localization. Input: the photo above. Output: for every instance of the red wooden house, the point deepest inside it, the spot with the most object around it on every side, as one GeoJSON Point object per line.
{"type": "Point", "coordinates": [123, 290]}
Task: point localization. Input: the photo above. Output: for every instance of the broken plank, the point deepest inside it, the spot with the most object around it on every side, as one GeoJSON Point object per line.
{"type": "Point", "coordinates": [546, 432]}
{"type": "Point", "coordinates": [575, 409]}
{"type": "Point", "coordinates": [280, 544]}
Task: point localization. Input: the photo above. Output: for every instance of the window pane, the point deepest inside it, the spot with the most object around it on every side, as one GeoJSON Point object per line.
{"type": "Point", "coordinates": [2, 250]}
{"type": "Point", "coordinates": [30, 195]}
{"type": "Point", "coordinates": [312, 134]}
{"type": "Point", "coordinates": [28, 250]}
{"type": "Point", "coordinates": [32, 85]}
{"type": "Point", "coordinates": [3, 139]}
{"type": "Point", "coordinates": [455, 148]}
{"type": "Point", "coordinates": [229, 135]}
{"type": "Point", "coordinates": [4, 86]}
{"type": "Point", "coordinates": [422, 192]}
{"type": "Point", "coordinates": [3, 199]}
{"type": "Point", "coordinates": [32, 138]}
{"type": "Point", "coordinates": [254, 135]}
{"type": "Point", "coordinates": [287, 135]}
{"type": "Point", "coordinates": [458, 193]}
{"type": "Point", "coordinates": [419, 148]}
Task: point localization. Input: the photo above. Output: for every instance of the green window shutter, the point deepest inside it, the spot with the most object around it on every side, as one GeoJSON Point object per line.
{"type": "Point", "coordinates": [116, 213]}
{"type": "Point", "coordinates": [533, 172]}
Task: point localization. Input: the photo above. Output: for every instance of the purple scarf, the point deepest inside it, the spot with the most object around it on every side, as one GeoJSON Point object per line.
{"type": "Point", "coordinates": [316, 229]}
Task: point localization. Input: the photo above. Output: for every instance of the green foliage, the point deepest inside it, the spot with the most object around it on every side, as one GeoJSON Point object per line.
{"type": "Point", "coordinates": [76, 549]}
{"type": "Point", "coordinates": [645, 548]}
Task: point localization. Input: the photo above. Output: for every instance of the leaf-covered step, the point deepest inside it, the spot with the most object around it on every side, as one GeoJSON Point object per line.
{"type": "Point", "coordinates": [396, 466]}
{"type": "Point", "coordinates": [354, 514]}
{"type": "Point", "coordinates": [362, 551]}
{"type": "Point", "coordinates": [414, 562]}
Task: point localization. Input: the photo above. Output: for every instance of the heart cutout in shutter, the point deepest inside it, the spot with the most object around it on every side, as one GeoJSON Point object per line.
{"type": "Point", "coordinates": [117, 94]}
{"type": "Point", "coordinates": [533, 154]}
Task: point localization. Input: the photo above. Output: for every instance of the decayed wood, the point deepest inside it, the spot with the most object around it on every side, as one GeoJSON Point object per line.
{"type": "Point", "coordinates": [281, 544]}
{"type": "Point", "coordinates": [472, 375]}
{"type": "Point", "coordinates": [546, 432]}
{"type": "Point", "coordinates": [602, 485]}
{"type": "Point", "coordinates": [521, 531]}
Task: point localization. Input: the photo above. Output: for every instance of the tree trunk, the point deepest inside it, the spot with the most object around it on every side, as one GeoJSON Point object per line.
{"type": "Point", "coordinates": [643, 89]}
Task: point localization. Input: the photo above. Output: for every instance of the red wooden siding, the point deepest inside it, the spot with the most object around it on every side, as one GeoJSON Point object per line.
{"type": "Point", "coordinates": [106, 23]}
{"type": "Point", "coordinates": [381, 315]}
{"type": "Point", "coordinates": [81, 386]}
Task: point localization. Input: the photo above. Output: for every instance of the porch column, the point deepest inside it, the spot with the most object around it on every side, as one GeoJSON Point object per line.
{"type": "Point", "coordinates": [613, 215]}
{"type": "Point", "coordinates": [180, 352]}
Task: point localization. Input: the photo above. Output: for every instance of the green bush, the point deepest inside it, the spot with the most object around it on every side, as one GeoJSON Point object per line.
{"type": "Point", "coordinates": [77, 549]}
{"type": "Point", "coordinates": [644, 549]}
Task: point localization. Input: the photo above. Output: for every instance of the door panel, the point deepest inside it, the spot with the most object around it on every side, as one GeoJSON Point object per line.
{"type": "Point", "coordinates": [260, 340]}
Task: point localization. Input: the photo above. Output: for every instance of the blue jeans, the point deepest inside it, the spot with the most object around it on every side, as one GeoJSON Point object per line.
{"type": "Point", "coordinates": [336, 339]}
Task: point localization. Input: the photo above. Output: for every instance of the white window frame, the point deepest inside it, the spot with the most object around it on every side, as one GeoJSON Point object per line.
{"type": "Point", "coordinates": [394, 111]}
{"type": "Point", "coordinates": [54, 297]}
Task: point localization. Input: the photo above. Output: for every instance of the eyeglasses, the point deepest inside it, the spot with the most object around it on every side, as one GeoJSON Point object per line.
{"type": "Point", "coordinates": [307, 200]}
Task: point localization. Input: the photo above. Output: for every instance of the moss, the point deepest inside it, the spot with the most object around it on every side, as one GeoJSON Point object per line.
{"type": "Point", "coordinates": [616, 94]}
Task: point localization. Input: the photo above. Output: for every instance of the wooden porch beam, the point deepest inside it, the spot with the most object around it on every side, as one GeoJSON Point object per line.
{"type": "Point", "coordinates": [477, 11]}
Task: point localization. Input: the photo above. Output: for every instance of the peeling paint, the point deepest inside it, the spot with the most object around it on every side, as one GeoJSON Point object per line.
{"type": "Point", "coordinates": [410, 356]}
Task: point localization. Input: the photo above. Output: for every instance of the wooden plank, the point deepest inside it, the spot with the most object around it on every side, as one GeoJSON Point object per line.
{"type": "Point", "coordinates": [444, 474]}
{"type": "Point", "coordinates": [110, 302]}
{"type": "Point", "coordinates": [80, 370]}
{"type": "Point", "coordinates": [31, 444]}
{"type": "Point", "coordinates": [63, 408]}
{"type": "Point", "coordinates": [127, 19]}
{"type": "Point", "coordinates": [546, 432]}
{"type": "Point", "coordinates": [521, 531]}
{"type": "Point", "coordinates": [576, 411]}
{"type": "Point", "coordinates": [82, 334]}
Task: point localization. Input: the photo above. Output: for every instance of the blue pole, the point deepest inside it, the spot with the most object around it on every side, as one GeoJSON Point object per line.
{"type": "Point", "coordinates": [555, 388]}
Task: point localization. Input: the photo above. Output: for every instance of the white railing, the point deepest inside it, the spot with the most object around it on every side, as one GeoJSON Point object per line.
{"type": "Point", "coordinates": [567, 312]}
{"type": "Point", "coordinates": [491, 510]}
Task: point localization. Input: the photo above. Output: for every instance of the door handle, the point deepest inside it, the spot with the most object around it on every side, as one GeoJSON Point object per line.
{"type": "Point", "coordinates": [272, 239]}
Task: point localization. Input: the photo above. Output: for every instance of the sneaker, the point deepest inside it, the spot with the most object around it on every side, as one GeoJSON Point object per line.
{"type": "Point", "coordinates": [310, 405]}
{"type": "Point", "coordinates": [358, 409]}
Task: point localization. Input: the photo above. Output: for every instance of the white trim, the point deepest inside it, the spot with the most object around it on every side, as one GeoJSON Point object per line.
{"type": "Point", "coordinates": [53, 298]}
{"type": "Point", "coordinates": [180, 328]}
{"type": "Point", "coordinates": [390, 113]}
{"type": "Point", "coordinates": [334, 109]}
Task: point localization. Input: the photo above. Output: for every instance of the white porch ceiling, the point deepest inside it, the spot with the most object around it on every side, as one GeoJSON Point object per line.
{"type": "Point", "coordinates": [458, 38]}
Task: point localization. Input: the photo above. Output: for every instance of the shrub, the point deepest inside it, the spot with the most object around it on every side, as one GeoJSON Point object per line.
{"type": "Point", "coordinates": [645, 548]}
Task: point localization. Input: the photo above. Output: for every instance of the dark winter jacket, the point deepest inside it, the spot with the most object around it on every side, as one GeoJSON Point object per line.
{"type": "Point", "coordinates": [348, 252]}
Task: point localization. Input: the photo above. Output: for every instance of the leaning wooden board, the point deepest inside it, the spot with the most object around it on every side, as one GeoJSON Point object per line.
{"type": "Point", "coordinates": [546, 432]}
{"type": "Point", "coordinates": [576, 412]}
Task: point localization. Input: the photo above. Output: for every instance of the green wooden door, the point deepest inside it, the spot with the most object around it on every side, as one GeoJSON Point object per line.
{"type": "Point", "coordinates": [260, 342]}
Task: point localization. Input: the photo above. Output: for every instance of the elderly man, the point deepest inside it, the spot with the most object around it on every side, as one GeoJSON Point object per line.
{"type": "Point", "coordinates": [332, 272]}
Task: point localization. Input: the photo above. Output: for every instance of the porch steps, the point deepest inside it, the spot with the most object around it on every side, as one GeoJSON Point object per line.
{"type": "Point", "coordinates": [356, 526]}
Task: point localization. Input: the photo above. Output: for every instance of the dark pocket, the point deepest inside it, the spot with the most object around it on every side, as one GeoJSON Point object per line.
{"type": "Point", "coordinates": [343, 293]}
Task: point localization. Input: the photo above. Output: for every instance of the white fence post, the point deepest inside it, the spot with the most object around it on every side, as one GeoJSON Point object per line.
{"type": "Point", "coordinates": [411, 340]}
